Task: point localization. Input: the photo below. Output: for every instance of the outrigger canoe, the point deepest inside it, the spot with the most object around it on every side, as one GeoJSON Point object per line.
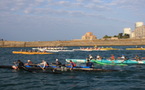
{"type": "Point", "coordinates": [135, 48]}
{"type": "Point", "coordinates": [25, 52]}
{"type": "Point", "coordinates": [107, 62]}
{"type": "Point", "coordinates": [58, 69]}
{"type": "Point", "coordinates": [96, 49]}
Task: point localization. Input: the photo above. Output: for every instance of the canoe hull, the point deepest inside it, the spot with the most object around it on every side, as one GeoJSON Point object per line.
{"type": "Point", "coordinates": [56, 69]}
{"type": "Point", "coordinates": [109, 61]}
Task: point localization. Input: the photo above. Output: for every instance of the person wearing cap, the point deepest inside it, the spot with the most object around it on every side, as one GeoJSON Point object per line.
{"type": "Point", "coordinates": [29, 62]}
{"type": "Point", "coordinates": [90, 57]}
{"type": "Point", "coordinates": [123, 57]}
{"type": "Point", "coordinates": [58, 62]}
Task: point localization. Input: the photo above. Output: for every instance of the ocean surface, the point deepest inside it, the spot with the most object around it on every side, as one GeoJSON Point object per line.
{"type": "Point", "coordinates": [130, 77]}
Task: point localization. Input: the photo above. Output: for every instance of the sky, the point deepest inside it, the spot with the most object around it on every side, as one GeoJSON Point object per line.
{"type": "Point", "coordinates": [52, 20]}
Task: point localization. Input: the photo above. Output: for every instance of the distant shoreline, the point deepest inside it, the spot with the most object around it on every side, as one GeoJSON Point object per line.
{"type": "Point", "coordinates": [120, 42]}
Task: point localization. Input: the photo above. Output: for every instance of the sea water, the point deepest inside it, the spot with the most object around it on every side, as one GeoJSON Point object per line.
{"type": "Point", "coordinates": [130, 77]}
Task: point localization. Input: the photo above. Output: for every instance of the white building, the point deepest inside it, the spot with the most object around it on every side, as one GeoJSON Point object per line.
{"type": "Point", "coordinates": [139, 31]}
{"type": "Point", "coordinates": [132, 34]}
{"type": "Point", "coordinates": [138, 24]}
{"type": "Point", "coordinates": [127, 31]}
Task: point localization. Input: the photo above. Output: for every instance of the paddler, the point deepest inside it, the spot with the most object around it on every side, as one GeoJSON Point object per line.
{"type": "Point", "coordinates": [137, 58]}
{"type": "Point", "coordinates": [19, 65]}
{"type": "Point", "coordinates": [43, 64]}
{"type": "Point", "coordinates": [72, 65]}
{"type": "Point", "coordinates": [90, 57]}
{"type": "Point", "coordinates": [123, 57]}
{"type": "Point", "coordinates": [29, 62]}
{"type": "Point", "coordinates": [98, 57]}
{"type": "Point", "coordinates": [57, 63]}
{"type": "Point", "coordinates": [89, 64]}
{"type": "Point", "coordinates": [112, 57]}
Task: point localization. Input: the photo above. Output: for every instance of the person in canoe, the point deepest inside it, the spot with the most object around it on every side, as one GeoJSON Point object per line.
{"type": "Point", "coordinates": [90, 57]}
{"type": "Point", "coordinates": [98, 57]}
{"type": "Point", "coordinates": [57, 63]}
{"type": "Point", "coordinates": [123, 57]}
{"type": "Point", "coordinates": [18, 65]}
{"type": "Point", "coordinates": [112, 57]}
{"type": "Point", "coordinates": [89, 64]}
{"type": "Point", "coordinates": [29, 62]}
{"type": "Point", "coordinates": [72, 65]}
{"type": "Point", "coordinates": [137, 58]}
{"type": "Point", "coordinates": [43, 64]}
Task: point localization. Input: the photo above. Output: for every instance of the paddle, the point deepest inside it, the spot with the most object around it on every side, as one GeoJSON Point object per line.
{"type": "Point", "coordinates": [63, 67]}
{"type": "Point", "coordinates": [44, 63]}
{"type": "Point", "coordinates": [124, 60]}
{"type": "Point", "coordinates": [43, 68]}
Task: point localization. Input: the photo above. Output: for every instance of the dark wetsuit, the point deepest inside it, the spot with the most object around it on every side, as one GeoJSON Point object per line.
{"type": "Point", "coordinates": [58, 63]}
{"type": "Point", "coordinates": [89, 64]}
{"type": "Point", "coordinates": [20, 64]}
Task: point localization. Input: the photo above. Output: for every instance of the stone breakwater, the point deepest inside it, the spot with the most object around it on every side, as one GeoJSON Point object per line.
{"type": "Point", "coordinates": [121, 42]}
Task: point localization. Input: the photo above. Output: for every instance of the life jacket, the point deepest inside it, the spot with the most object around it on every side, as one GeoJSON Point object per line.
{"type": "Point", "coordinates": [113, 57]}
{"type": "Point", "coordinates": [73, 64]}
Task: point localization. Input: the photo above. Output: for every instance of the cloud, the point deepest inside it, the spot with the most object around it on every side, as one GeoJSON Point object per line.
{"type": "Point", "coordinates": [72, 8]}
{"type": "Point", "coordinates": [19, 6]}
{"type": "Point", "coordinates": [61, 8]}
{"type": "Point", "coordinates": [128, 4]}
{"type": "Point", "coordinates": [92, 1]}
{"type": "Point", "coordinates": [45, 6]}
{"type": "Point", "coordinates": [97, 7]}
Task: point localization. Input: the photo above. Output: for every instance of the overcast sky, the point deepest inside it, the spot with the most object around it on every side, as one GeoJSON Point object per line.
{"type": "Point", "coordinates": [48, 20]}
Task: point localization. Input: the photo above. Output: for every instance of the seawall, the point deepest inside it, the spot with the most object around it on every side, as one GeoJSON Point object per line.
{"type": "Point", "coordinates": [121, 42]}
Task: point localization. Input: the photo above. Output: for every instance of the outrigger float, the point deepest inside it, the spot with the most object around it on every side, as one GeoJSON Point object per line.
{"type": "Point", "coordinates": [108, 62]}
